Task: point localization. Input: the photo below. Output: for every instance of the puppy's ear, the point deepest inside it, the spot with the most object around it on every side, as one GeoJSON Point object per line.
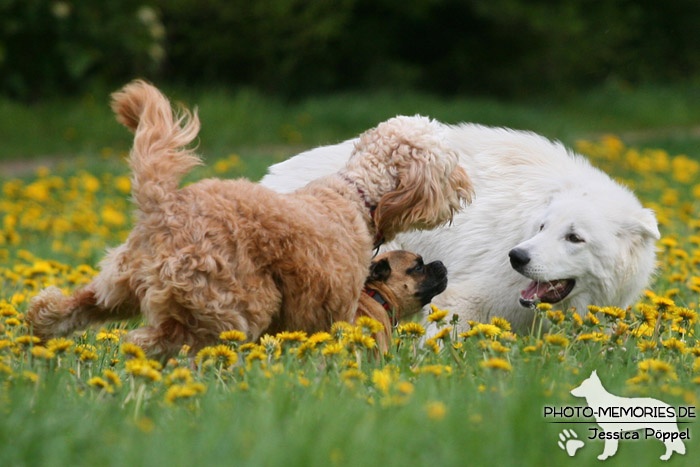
{"type": "Point", "coordinates": [379, 271]}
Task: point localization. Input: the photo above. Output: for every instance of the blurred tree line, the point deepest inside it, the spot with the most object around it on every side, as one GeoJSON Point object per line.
{"type": "Point", "coordinates": [293, 47]}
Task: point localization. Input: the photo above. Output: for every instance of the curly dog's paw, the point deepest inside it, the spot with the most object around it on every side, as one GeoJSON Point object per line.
{"type": "Point", "coordinates": [46, 311]}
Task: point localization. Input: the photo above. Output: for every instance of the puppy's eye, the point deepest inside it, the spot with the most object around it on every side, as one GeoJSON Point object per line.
{"type": "Point", "coordinates": [573, 238]}
{"type": "Point", "coordinates": [541, 227]}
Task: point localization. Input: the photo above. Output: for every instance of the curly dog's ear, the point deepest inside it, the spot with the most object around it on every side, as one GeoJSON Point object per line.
{"type": "Point", "coordinates": [423, 199]}
{"type": "Point", "coordinates": [413, 203]}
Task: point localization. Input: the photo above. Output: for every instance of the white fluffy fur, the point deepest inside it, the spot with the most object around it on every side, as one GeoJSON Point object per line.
{"type": "Point", "coordinates": [521, 180]}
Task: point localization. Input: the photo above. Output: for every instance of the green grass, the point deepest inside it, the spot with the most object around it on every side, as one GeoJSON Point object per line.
{"type": "Point", "coordinates": [255, 415]}
{"type": "Point", "coordinates": [265, 129]}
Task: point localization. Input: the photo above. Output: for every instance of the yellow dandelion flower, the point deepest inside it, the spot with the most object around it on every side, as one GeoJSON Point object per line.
{"type": "Point", "coordinates": [130, 350]}
{"type": "Point", "coordinates": [410, 330]}
{"type": "Point", "coordinates": [674, 344]}
{"type": "Point", "coordinates": [357, 338]}
{"type": "Point", "coordinates": [501, 323]}
{"type": "Point", "coordinates": [112, 377]}
{"type": "Point", "coordinates": [652, 365]}
{"type": "Point", "coordinates": [612, 312]}
{"type": "Point", "coordinates": [686, 314]}
{"type": "Point", "coordinates": [7, 311]}
{"type": "Point", "coordinates": [4, 368]}
{"type": "Point", "coordinates": [27, 340]}
{"type": "Point", "coordinates": [333, 348]}
{"type": "Point", "coordinates": [319, 338]}
{"type": "Point", "coordinates": [372, 326]}
{"type": "Point", "coordinates": [296, 336]}
{"type": "Point", "coordinates": [59, 345]}
{"type": "Point", "coordinates": [232, 336]}
{"type": "Point", "coordinates": [99, 383]}
{"type": "Point", "coordinates": [180, 376]}
{"type": "Point", "coordinates": [436, 370]}
{"type": "Point", "coordinates": [508, 336]}
{"type": "Point", "coordinates": [556, 339]}
{"type": "Point", "coordinates": [122, 184]}
{"type": "Point", "coordinates": [533, 348]}
{"type": "Point", "coordinates": [255, 355]}
{"type": "Point", "coordinates": [437, 315]}
{"type": "Point", "coordinates": [105, 335]}
{"type": "Point", "coordinates": [340, 328]}
{"type": "Point", "coordinates": [496, 364]}
{"type": "Point", "coordinates": [544, 306]}
{"type": "Point", "coordinates": [639, 379]}
{"type": "Point", "coordinates": [555, 317]}
{"type": "Point", "coordinates": [42, 352]}
{"type": "Point", "coordinates": [272, 346]}
{"type": "Point", "coordinates": [662, 303]}
{"type": "Point", "coordinates": [219, 355]}
{"type": "Point", "coordinates": [646, 346]}
{"type": "Point", "coordinates": [435, 410]}
{"type": "Point", "coordinates": [482, 329]}
{"type": "Point", "coordinates": [593, 336]}
{"type": "Point", "coordinates": [31, 376]}
{"type": "Point", "coordinates": [590, 319]}
{"type": "Point", "coordinates": [405, 387]}
{"type": "Point", "coordinates": [382, 379]}
{"type": "Point", "coordinates": [498, 347]}
{"type": "Point", "coordinates": [186, 391]}
{"type": "Point", "coordinates": [577, 319]}
{"type": "Point", "coordinates": [352, 374]}
{"type": "Point", "coordinates": [443, 333]}
{"type": "Point", "coordinates": [432, 345]}
{"type": "Point", "coordinates": [144, 368]}
{"type": "Point", "coordinates": [6, 344]}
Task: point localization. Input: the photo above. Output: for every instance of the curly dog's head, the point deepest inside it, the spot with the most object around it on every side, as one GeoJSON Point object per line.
{"type": "Point", "coordinates": [411, 174]}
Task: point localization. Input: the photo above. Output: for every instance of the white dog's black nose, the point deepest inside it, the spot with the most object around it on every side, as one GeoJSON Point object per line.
{"type": "Point", "coordinates": [518, 258]}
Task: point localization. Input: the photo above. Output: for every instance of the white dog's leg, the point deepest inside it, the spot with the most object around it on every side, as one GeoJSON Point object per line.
{"type": "Point", "coordinates": [609, 450]}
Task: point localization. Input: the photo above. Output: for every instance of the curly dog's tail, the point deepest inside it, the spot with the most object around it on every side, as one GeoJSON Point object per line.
{"type": "Point", "coordinates": [158, 157]}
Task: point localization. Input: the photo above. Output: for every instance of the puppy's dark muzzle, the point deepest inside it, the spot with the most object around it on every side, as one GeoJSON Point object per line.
{"type": "Point", "coordinates": [435, 282]}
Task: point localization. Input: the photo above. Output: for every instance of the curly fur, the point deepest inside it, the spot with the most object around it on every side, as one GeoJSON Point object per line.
{"type": "Point", "coordinates": [232, 254]}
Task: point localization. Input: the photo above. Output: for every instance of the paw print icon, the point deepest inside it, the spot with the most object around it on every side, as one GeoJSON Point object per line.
{"type": "Point", "coordinates": [569, 442]}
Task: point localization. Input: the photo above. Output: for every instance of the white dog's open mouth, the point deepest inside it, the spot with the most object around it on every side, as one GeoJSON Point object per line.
{"type": "Point", "coordinates": [547, 292]}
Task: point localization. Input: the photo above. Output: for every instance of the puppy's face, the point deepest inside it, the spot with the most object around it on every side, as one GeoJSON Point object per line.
{"type": "Point", "coordinates": [412, 283]}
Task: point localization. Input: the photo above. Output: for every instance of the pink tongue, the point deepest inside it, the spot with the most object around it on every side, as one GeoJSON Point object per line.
{"type": "Point", "coordinates": [535, 288]}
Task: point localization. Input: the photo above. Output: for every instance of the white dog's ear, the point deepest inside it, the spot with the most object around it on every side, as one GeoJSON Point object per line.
{"type": "Point", "coordinates": [644, 225]}
{"type": "Point", "coordinates": [648, 224]}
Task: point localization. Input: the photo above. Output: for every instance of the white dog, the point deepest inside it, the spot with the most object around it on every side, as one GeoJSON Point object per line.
{"type": "Point", "coordinates": [544, 226]}
{"type": "Point", "coordinates": [619, 415]}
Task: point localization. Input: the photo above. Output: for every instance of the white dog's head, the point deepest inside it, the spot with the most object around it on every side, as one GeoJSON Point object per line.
{"type": "Point", "coordinates": [587, 250]}
{"type": "Point", "coordinates": [408, 170]}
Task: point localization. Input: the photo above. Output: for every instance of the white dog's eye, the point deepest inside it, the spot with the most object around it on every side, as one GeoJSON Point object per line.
{"type": "Point", "coordinates": [541, 227]}
{"type": "Point", "coordinates": [573, 238]}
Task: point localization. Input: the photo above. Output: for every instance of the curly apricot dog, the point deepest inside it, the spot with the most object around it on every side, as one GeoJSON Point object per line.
{"type": "Point", "coordinates": [232, 254]}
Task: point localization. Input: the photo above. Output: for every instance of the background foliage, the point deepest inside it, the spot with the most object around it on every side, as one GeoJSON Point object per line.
{"type": "Point", "coordinates": [500, 47]}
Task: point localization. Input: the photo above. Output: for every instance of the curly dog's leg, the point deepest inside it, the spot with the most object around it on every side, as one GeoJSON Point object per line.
{"type": "Point", "coordinates": [106, 298]}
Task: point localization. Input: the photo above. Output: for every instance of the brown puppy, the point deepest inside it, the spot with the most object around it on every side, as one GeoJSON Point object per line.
{"type": "Point", "coordinates": [231, 254]}
{"type": "Point", "coordinates": [399, 285]}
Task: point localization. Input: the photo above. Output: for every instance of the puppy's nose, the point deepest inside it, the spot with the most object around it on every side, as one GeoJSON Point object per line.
{"type": "Point", "coordinates": [518, 258]}
{"type": "Point", "coordinates": [437, 268]}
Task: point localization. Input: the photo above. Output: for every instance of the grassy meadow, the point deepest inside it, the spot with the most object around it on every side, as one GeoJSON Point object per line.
{"type": "Point", "coordinates": [327, 399]}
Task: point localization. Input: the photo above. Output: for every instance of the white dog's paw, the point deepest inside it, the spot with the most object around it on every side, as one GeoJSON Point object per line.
{"type": "Point", "coordinates": [569, 443]}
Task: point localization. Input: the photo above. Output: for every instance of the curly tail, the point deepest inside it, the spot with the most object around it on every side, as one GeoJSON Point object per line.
{"type": "Point", "coordinates": [158, 158]}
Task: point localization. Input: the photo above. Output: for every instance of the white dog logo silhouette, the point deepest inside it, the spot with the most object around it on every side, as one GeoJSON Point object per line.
{"type": "Point", "coordinates": [618, 415]}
